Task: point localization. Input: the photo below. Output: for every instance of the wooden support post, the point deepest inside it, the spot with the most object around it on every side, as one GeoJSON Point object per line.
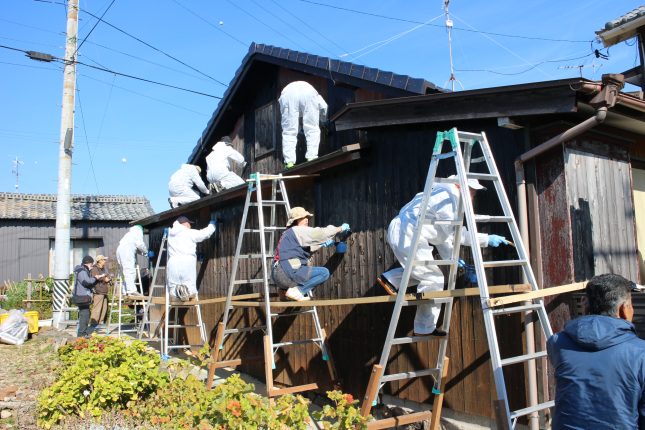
{"type": "Point", "coordinates": [219, 335]}
{"type": "Point", "coordinates": [437, 405]}
{"type": "Point", "coordinates": [372, 389]}
{"type": "Point", "coordinates": [268, 369]}
{"type": "Point", "coordinates": [330, 363]}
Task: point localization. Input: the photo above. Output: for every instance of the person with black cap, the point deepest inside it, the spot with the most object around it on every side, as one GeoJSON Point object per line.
{"type": "Point", "coordinates": [443, 205]}
{"type": "Point", "coordinates": [82, 293]}
{"type": "Point", "coordinates": [218, 165]}
{"type": "Point", "coordinates": [181, 276]}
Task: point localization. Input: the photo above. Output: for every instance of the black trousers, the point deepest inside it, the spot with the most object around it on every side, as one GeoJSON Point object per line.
{"type": "Point", "coordinates": [83, 320]}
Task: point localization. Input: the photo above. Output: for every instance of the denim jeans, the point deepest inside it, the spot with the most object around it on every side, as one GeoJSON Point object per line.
{"type": "Point", "coordinates": [318, 276]}
{"type": "Point", "coordinates": [83, 320]}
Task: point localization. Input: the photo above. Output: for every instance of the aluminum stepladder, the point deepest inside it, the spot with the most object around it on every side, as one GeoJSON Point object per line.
{"type": "Point", "coordinates": [460, 150]}
{"type": "Point", "coordinates": [117, 302]}
{"type": "Point", "coordinates": [159, 330]}
{"type": "Point", "coordinates": [278, 198]}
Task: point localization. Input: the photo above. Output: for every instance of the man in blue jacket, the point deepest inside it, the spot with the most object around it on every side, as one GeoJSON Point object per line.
{"type": "Point", "coordinates": [599, 362]}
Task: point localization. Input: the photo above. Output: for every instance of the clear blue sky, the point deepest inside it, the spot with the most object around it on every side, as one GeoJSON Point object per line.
{"type": "Point", "coordinates": [130, 136]}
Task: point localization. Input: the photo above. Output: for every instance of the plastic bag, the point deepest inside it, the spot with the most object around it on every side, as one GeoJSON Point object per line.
{"type": "Point", "coordinates": [14, 329]}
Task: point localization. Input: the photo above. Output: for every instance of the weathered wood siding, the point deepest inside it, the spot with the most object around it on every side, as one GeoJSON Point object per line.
{"type": "Point", "coordinates": [25, 244]}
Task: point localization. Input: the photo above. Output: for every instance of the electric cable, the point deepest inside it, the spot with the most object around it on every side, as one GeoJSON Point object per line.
{"type": "Point", "coordinates": [95, 25]}
{"type": "Point", "coordinates": [211, 24]}
{"type": "Point", "coordinates": [527, 70]}
{"type": "Point", "coordinates": [80, 105]}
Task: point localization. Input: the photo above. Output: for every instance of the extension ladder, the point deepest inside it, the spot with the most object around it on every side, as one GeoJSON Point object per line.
{"type": "Point", "coordinates": [159, 330]}
{"type": "Point", "coordinates": [117, 302]}
{"type": "Point", "coordinates": [461, 145]}
{"type": "Point", "coordinates": [248, 229]}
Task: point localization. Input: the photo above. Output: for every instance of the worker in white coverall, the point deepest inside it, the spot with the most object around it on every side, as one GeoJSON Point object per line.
{"type": "Point", "coordinates": [182, 185]}
{"type": "Point", "coordinates": [443, 205]}
{"type": "Point", "coordinates": [300, 99]}
{"type": "Point", "coordinates": [182, 257]}
{"type": "Point", "coordinates": [218, 164]}
{"type": "Point", "coordinates": [129, 245]}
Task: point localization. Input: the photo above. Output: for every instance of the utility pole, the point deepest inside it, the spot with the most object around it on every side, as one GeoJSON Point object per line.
{"type": "Point", "coordinates": [63, 201]}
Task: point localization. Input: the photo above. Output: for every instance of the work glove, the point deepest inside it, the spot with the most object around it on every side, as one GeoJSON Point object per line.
{"type": "Point", "coordinates": [213, 222]}
{"type": "Point", "coordinates": [328, 242]}
{"type": "Point", "coordinates": [166, 230]}
{"type": "Point", "coordinates": [344, 227]}
{"type": "Point", "coordinates": [151, 254]}
{"type": "Point", "coordinates": [495, 240]}
{"type": "Point", "coordinates": [461, 263]}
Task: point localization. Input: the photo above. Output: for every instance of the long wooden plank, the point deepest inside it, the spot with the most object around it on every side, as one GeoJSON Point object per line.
{"type": "Point", "coordinates": [437, 405]}
{"type": "Point", "coordinates": [274, 392]}
{"type": "Point", "coordinates": [501, 301]}
{"type": "Point", "coordinates": [465, 292]}
{"type": "Point", "coordinates": [162, 300]}
{"type": "Point", "coordinates": [395, 422]}
{"type": "Point", "coordinates": [372, 389]}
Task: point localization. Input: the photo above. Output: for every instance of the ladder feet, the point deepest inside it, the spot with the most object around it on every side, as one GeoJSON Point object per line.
{"type": "Point", "coordinates": [436, 390]}
{"type": "Point", "coordinates": [325, 357]}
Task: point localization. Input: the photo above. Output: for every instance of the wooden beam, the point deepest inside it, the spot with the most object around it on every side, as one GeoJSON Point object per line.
{"type": "Point", "coordinates": [268, 369]}
{"type": "Point", "coordinates": [372, 389]}
{"type": "Point", "coordinates": [162, 300]}
{"type": "Point", "coordinates": [501, 301]}
{"type": "Point", "coordinates": [437, 404]}
{"type": "Point", "coordinates": [219, 335]}
{"type": "Point", "coordinates": [401, 420]}
{"type": "Point", "coordinates": [290, 390]}
{"type": "Point", "coordinates": [465, 292]}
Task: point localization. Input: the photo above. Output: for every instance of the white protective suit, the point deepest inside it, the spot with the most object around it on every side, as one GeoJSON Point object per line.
{"type": "Point", "coordinates": [219, 166]}
{"type": "Point", "coordinates": [181, 185]}
{"type": "Point", "coordinates": [300, 99]}
{"type": "Point", "coordinates": [126, 252]}
{"type": "Point", "coordinates": [443, 205]}
{"type": "Point", "coordinates": [182, 257]}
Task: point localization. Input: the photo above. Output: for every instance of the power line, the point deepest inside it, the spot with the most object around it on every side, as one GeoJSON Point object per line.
{"type": "Point", "coordinates": [95, 24]}
{"type": "Point", "coordinates": [80, 105]}
{"type": "Point", "coordinates": [211, 24]}
{"type": "Point", "coordinates": [143, 42]}
{"type": "Point", "coordinates": [527, 70]}
{"type": "Point", "coordinates": [63, 61]}
{"type": "Point", "coordinates": [376, 15]}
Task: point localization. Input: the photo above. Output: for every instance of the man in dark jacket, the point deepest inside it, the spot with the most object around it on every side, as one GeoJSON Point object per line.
{"type": "Point", "coordinates": [82, 294]}
{"type": "Point", "coordinates": [599, 362]}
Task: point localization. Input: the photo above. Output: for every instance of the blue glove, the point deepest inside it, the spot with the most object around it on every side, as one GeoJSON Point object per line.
{"type": "Point", "coordinates": [213, 222]}
{"type": "Point", "coordinates": [461, 263]}
{"type": "Point", "coordinates": [151, 254]}
{"type": "Point", "coordinates": [495, 240]}
{"type": "Point", "coordinates": [344, 227]}
{"type": "Point", "coordinates": [166, 230]}
{"type": "Point", "coordinates": [328, 242]}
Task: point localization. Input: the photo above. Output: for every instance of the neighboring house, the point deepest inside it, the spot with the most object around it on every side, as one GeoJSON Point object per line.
{"type": "Point", "coordinates": [581, 198]}
{"type": "Point", "coordinates": [28, 229]}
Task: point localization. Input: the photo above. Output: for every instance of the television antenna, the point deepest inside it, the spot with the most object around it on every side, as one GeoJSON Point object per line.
{"type": "Point", "coordinates": [16, 163]}
{"type": "Point", "coordinates": [449, 25]}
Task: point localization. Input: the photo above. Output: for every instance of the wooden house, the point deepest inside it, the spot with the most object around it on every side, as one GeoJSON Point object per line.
{"type": "Point", "coordinates": [374, 163]}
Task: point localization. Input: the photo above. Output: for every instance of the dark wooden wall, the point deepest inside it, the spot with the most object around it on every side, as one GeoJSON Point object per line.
{"type": "Point", "coordinates": [367, 194]}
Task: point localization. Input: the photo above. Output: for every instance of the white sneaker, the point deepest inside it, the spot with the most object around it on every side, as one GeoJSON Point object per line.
{"type": "Point", "coordinates": [294, 293]}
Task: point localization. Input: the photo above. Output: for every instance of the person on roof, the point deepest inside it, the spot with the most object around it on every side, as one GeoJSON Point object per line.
{"type": "Point", "coordinates": [599, 362]}
{"type": "Point", "coordinates": [299, 99]}
{"type": "Point", "coordinates": [443, 205]}
{"type": "Point", "coordinates": [292, 271]}
{"type": "Point", "coordinates": [131, 244]}
{"type": "Point", "coordinates": [218, 165]}
{"type": "Point", "coordinates": [182, 257]}
{"type": "Point", "coordinates": [183, 183]}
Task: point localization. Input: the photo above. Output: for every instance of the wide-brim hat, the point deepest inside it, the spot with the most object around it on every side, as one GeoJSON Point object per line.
{"type": "Point", "coordinates": [297, 213]}
{"type": "Point", "coordinates": [472, 183]}
{"type": "Point", "coordinates": [100, 257]}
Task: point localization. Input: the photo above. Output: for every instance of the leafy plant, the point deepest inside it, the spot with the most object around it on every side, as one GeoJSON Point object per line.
{"type": "Point", "coordinates": [15, 296]}
{"type": "Point", "coordinates": [100, 374]}
{"type": "Point", "coordinates": [344, 415]}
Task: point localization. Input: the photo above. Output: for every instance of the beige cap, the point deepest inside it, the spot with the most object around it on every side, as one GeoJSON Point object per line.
{"type": "Point", "coordinates": [297, 213]}
{"type": "Point", "coordinates": [100, 257]}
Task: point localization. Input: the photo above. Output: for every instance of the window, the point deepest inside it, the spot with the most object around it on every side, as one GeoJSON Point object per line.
{"type": "Point", "coordinates": [265, 129]}
{"type": "Point", "coordinates": [79, 248]}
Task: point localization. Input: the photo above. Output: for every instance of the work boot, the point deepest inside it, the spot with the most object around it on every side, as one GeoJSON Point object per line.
{"type": "Point", "coordinates": [294, 293]}
{"type": "Point", "coordinates": [311, 159]}
{"type": "Point", "coordinates": [387, 286]}
{"type": "Point", "coordinates": [437, 332]}
{"type": "Point", "coordinates": [289, 165]}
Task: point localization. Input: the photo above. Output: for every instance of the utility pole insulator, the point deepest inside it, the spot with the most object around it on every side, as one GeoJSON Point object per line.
{"type": "Point", "coordinates": [40, 56]}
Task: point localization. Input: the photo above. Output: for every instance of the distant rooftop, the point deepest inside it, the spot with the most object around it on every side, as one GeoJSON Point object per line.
{"type": "Point", "coordinates": [622, 28]}
{"type": "Point", "coordinates": [84, 207]}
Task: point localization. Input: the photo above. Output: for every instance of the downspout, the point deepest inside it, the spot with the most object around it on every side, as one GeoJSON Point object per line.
{"type": "Point", "coordinates": [604, 100]}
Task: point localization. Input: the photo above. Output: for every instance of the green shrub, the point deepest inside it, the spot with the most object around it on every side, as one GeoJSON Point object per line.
{"type": "Point", "coordinates": [99, 374]}
{"type": "Point", "coordinates": [16, 295]}
{"type": "Point", "coordinates": [344, 415]}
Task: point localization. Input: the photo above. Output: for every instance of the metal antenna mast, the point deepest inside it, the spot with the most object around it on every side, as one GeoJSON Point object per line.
{"type": "Point", "coordinates": [16, 170]}
{"type": "Point", "coordinates": [449, 24]}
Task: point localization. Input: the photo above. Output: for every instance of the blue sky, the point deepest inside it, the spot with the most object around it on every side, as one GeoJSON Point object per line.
{"type": "Point", "coordinates": [130, 136]}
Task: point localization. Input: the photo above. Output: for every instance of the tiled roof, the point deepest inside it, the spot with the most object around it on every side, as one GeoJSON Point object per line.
{"type": "Point", "coordinates": [622, 28]}
{"type": "Point", "coordinates": [313, 64]}
{"type": "Point", "coordinates": [84, 207]}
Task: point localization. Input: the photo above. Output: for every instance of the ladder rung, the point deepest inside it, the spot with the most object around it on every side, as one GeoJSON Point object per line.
{"type": "Point", "coordinates": [267, 255]}
{"type": "Point", "coordinates": [484, 176]}
{"type": "Point", "coordinates": [248, 281]}
{"type": "Point", "coordinates": [244, 329]}
{"type": "Point", "coordinates": [464, 136]}
{"type": "Point", "coordinates": [257, 230]}
{"type": "Point", "coordinates": [489, 218]}
{"type": "Point", "coordinates": [412, 374]}
{"type": "Point", "coordinates": [539, 407]}
{"type": "Point", "coordinates": [433, 262]}
{"type": "Point", "coordinates": [183, 325]}
{"type": "Point", "coordinates": [288, 314]}
{"type": "Point", "coordinates": [515, 309]}
{"type": "Point", "coordinates": [412, 339]}
{"type": "Point", "coordinates": [504, 263]}
{"type": "Point", "coordinates": [432, 220]}
{"type": "Point", "coordinates": [297, 342]}
{"type": "Point", "coordinates": [523, 358]}
{"type": "Point", "coordinates": [185, 346]}
{"type": "Point", "coordinates": [269, 202]}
